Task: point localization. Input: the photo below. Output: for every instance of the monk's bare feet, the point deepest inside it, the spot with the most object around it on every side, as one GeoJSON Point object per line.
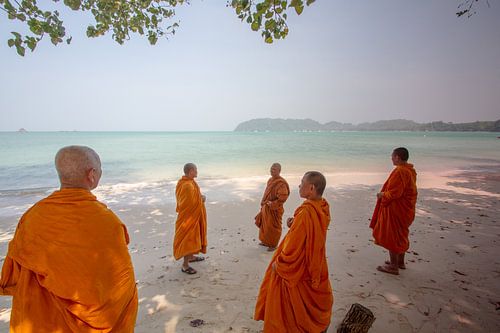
{"type": "Point", "coordinates": [400, 266]}
{"type": "Point", "coordinates": [271, 249]}
{"type": "Point", "coordinates": [388, 269]}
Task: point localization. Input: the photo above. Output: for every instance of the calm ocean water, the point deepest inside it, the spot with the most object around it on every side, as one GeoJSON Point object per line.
{"type": "Point", "coordinates": [26, 159]}
{"type": "Point", "coordinates": [27, 167]}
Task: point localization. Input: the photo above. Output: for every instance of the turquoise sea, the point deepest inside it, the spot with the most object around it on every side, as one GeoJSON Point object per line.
{"type": "Point", "coordinates": [26, 159]}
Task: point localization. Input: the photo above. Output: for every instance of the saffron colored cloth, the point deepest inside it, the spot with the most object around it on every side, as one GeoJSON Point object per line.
{"type": "Point", "coordinates": [296, 295]}
{"type": "Point", "coordinates": [268, 220]}
{"type": "Point", "coordinates": [191, 225]}
{"type": "Point", "coordinates": [395, 211]}
{"type": "Point", "coordinates": [68, 268]}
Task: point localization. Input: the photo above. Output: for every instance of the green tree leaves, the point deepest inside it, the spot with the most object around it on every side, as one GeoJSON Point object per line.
{"type": "Point", "coordinates": [40, 23]}
{"type": "Point", "coordinates": [143, 17]}
{"type": "Point", "coordinates": [268, 16]}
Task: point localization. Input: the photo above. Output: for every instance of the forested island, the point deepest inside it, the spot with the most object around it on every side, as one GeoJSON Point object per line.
{"type": "Point", "coordinates": [300, 125]}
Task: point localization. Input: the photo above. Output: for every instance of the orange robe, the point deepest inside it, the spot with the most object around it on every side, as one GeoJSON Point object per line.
{"type": "Point", "coordinates": [268, 220]}
{"type": "Point", "coordinates": [191, 225]}
{"type": "Point", "coordinates": [68, 268]}
{"type": "Point", "coordinates": [297, 296]}
{"type": "Point", "coordinates": [395, 211]}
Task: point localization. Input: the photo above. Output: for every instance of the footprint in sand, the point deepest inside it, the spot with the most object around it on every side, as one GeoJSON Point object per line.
{"type": "Point", "coordinates": [404, 324]}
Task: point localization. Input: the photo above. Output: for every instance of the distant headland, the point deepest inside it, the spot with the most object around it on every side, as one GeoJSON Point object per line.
{"type": "Point", "coordinates": [309, 125]}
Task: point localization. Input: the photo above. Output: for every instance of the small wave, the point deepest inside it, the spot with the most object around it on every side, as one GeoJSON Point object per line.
{"type": "Point", "coordinates": [27, 191]}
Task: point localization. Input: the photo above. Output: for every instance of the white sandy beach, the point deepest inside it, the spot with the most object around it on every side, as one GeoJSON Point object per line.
{"type": "Point", "coordinates": [450, 284]}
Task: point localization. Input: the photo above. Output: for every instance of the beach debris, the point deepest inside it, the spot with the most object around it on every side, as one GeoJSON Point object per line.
{"type": "Point", "coordinates": [459, 273]}
{"type": "Point", "coordinates": [196, 322]}
{"type": "Point", "coordinates": [358, 319]}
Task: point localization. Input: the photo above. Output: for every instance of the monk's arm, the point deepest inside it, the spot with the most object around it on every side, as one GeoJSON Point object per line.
{"type": "Point", "coordinates": [282, 195]}
{"type": "Point", "coordinates": [10, 275]}
{"type": "Point", "coordinates": [394, 190]}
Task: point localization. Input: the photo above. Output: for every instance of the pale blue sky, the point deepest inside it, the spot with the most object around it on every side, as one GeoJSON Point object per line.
{"type": "Point", "coordinates": [349, 61]}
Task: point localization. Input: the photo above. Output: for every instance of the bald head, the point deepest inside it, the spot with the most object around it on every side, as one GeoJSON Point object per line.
{"type": "Point", "coordinates": [275, 169]}
{"type": "Point", "coordinates": [188, 167]}
{"type": "Point", "coordinates": [402, 153]}
{"type": "Point", "coordinates": [317, 179]}
{"type": "Point", "coordinates": [78, 166]}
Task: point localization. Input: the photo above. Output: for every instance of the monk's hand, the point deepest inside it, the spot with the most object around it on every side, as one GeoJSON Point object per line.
{"type": "Point", "coordinates": [380, 195]}
{"type": "Point", "coordinates": [203, 198]}
{"type": "Point", "coordinates": [269, 203]}
{"type": "Point", "coordinates": [274, 266]}
{"type": "Point", "coordinates": [289, 222]}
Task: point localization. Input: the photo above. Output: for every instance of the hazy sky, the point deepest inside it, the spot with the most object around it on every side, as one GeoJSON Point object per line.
{"type": "Point", "coordinates": [349, 61]}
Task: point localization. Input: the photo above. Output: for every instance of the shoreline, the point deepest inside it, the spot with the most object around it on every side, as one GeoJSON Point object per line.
{"type": "Point", "coordinates": [336, 179]}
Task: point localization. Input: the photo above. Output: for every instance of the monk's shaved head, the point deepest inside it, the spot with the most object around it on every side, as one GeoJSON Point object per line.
{"type": "Point", "coordinates": [317, 179]}
{"type": "Point", "coordinates": [74, 162]}
{"type": "Point", "coordinates": [188, 167]}
{"type": "Point", "coordinates": [276, 165]}
{"type": "Point", "coordinates": [402, 153]}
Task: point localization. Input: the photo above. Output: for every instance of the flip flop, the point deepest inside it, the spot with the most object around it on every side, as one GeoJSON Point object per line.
{"type": "Point", "coordinates": [196, 259]}
{"type": "Point", "coordinates": [387, 262]}
{"type": "Point", "coordinates": [189, 270]}
{"type": "Point", "coordinates": [385, 269]}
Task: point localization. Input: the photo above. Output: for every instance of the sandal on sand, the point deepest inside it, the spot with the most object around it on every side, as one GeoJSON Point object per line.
{"type": "Point", "coordinates": [189, 270]}
{"type": "Point", "coordinates": [401, 266]}
{"type": "Point", "coordinates": [387, 269]}
{"type": "Point", "coordinates": [196, 259]}
{"type": "Point", "coordinates": [271, 249]}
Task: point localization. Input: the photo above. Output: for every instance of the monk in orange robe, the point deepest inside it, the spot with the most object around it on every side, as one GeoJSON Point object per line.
{"type": "Point", "coordinates": [191, 225]}
{"type": "Point", "coordinates": [68, 267]}
{"type": "Point", "coordinates": [395, 212]}
{"type": "Point", "coordinates": [296, 295]}
{"type": "Point", "coordinates": [268, 220]}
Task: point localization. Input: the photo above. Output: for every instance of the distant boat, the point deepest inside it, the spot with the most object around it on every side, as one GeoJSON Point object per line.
{"type": "Point", "coordinates": [22, 130]}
